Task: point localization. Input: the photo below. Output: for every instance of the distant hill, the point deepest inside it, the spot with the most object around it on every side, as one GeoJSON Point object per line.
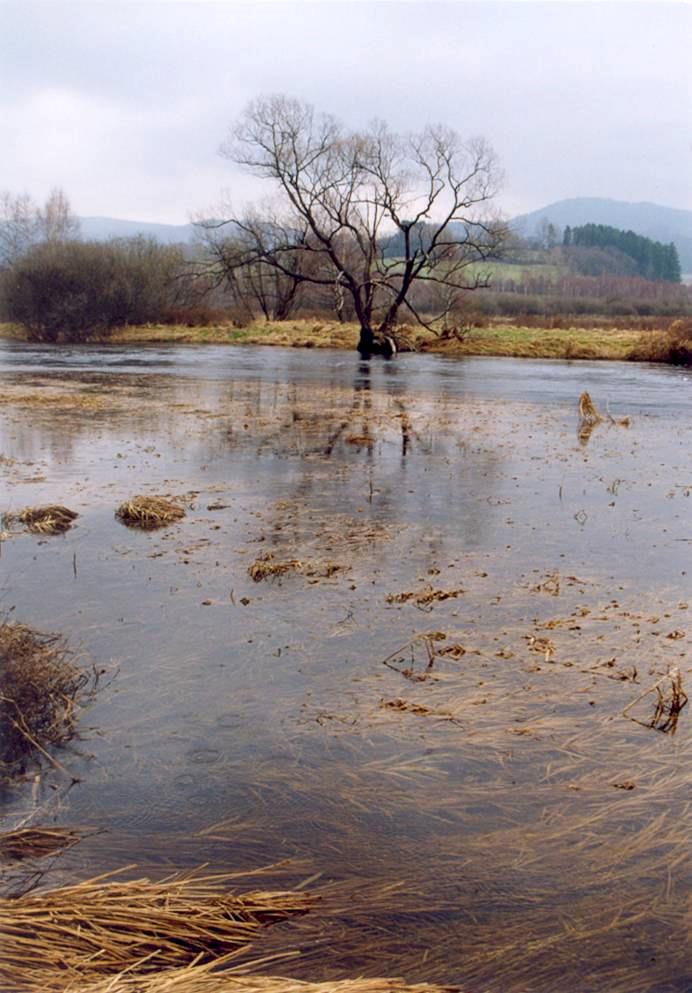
{"type": "Point", "coordinates": [103, 228]}
{"type": "Point", "coordinates": [664, 224]}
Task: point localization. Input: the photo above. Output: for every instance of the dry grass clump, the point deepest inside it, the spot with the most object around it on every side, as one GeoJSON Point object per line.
{"type": "Point", "coordinates": [266, 567]}
{"type": "Point", "coordinates": [149, 512]}
{"type": "Point", "coordinates": [30, 843]}
{"type": "Point", "coordinates": [60, 938]}
{"type": "Point", "coordinates": [52, 519]}
{"type": "Point", "coordinates": [200, 979]}
{"type": "Point", "coordinates": [40, 686]}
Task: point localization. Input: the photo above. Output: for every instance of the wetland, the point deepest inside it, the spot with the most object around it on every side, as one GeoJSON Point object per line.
{"type": "Point", "coordinates": [403, 645]}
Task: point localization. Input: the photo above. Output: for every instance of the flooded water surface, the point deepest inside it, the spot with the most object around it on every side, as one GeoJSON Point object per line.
{"type": "Point", "coordinates": [418, 699]}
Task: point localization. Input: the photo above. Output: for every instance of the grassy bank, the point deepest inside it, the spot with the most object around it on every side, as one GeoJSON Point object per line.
{"type": "Point", "coordinates": [503, 339]}
{"type": "Point", "coordinates": [498, 339]}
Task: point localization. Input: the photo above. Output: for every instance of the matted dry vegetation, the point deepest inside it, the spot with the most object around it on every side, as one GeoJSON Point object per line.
{"type": "Point", "coordinates": [41, 686]}
{"type": "Point", "coordinates": [149, 512]}
{"type": "Point", "coordinates": [50, 519]}
{"type": "Point", "coordinates": [199, 979]}
{"type": "Point", "coordinates": [51, 400]}
{"type": "Point", "coordinates": [58, 938]}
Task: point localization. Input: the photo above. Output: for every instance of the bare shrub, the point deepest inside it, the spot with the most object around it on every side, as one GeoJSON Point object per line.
{"type": "Point", "coordinates": [71, 291]}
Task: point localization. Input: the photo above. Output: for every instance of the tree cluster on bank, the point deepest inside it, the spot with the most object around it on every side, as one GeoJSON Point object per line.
{"type": "Point", "coordinates": [650, 259]}
{"type": "Point", "coordinates": [74, 290]}
{"type": "Point", "coordinates": [60, 288]}
{"type": "Point", "coordinates": [25, 223]}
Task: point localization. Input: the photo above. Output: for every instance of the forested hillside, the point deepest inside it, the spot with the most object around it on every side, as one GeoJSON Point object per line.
{"type": "Point", "coordinates": [652, 220]}
{"type": "Point", "coordinates": [650, 259]}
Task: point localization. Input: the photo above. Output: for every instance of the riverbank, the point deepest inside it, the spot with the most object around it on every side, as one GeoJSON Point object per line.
{"type": "Point", "coordinates": [498, 339]}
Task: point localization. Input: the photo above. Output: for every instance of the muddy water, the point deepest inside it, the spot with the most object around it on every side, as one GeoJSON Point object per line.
{"type": "Point", "coordinates": [423, 713]}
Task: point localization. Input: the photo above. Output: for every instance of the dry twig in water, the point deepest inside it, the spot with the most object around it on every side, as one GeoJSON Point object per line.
{"type": "Point", "coordinates": [670, 699]}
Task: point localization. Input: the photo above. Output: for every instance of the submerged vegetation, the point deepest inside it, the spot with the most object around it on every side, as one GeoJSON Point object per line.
{"type": "Point", "coordinates": [36, 842]}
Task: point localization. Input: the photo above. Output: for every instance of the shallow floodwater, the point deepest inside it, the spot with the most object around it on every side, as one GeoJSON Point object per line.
{"type": "Point", "coordinates": [423, 713]}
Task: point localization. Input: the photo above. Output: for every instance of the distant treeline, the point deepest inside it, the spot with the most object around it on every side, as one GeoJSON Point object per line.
{"type": "Point", "coordinates": [652, 259]}
{"type": "Point", "coordinates": [61, 288]}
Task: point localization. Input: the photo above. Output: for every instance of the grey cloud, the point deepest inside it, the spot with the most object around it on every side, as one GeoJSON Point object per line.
{"type": "Point", "coordinates": [125, 104]}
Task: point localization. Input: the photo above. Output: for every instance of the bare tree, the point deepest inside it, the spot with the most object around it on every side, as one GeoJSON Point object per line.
{"type": "Point", "coordinates": [18, 226]}
{"type": "Point", "coordinates": [343, 196]}
{"type": "Point", "coordinates": [251, 263]}
{"type": "Point", "coordinates": [56, 222]}
{"type": "Point", "coordinates": [23, 223]}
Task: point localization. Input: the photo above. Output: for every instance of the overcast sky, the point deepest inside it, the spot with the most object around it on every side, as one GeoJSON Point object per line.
{"type": "Point", "coordinates": [124, 105]}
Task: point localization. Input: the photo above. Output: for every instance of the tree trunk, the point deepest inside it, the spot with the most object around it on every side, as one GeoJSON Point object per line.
{"type": "Point", "coordinates": [366, 342]}
{"type": "Point", "coordinates": [375, 343]}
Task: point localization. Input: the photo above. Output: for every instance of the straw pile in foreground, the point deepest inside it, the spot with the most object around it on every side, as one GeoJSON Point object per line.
{"type": "Point", "coordinates": [199, 979]}
{"type": "Point", "coordinates": [100, 928]}
{"type": "Point", "coordinates": [40, 688]}
{"type": "Point", "coordinates": [52, 519]}
{"type": "Point", "coordinates": [149, 512]}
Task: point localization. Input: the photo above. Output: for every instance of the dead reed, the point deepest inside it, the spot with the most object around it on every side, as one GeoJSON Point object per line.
{"type": "Point", "coordinates": [590, 417]}
{"type": "Point", "coordinates": [29, 843]}
{"type": "Point", "coordinates": [588, 412]}
{"type": "Point", "coordinates": [40, 689]}
{"type": "Point", "coordinates": [149, 512]}
{"type": "Point", "coordinates": [60, 938]}
{"type": "Point", "coordinates": [52, 519]}
{"type": "Point", "coordinates": [669, 698]}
